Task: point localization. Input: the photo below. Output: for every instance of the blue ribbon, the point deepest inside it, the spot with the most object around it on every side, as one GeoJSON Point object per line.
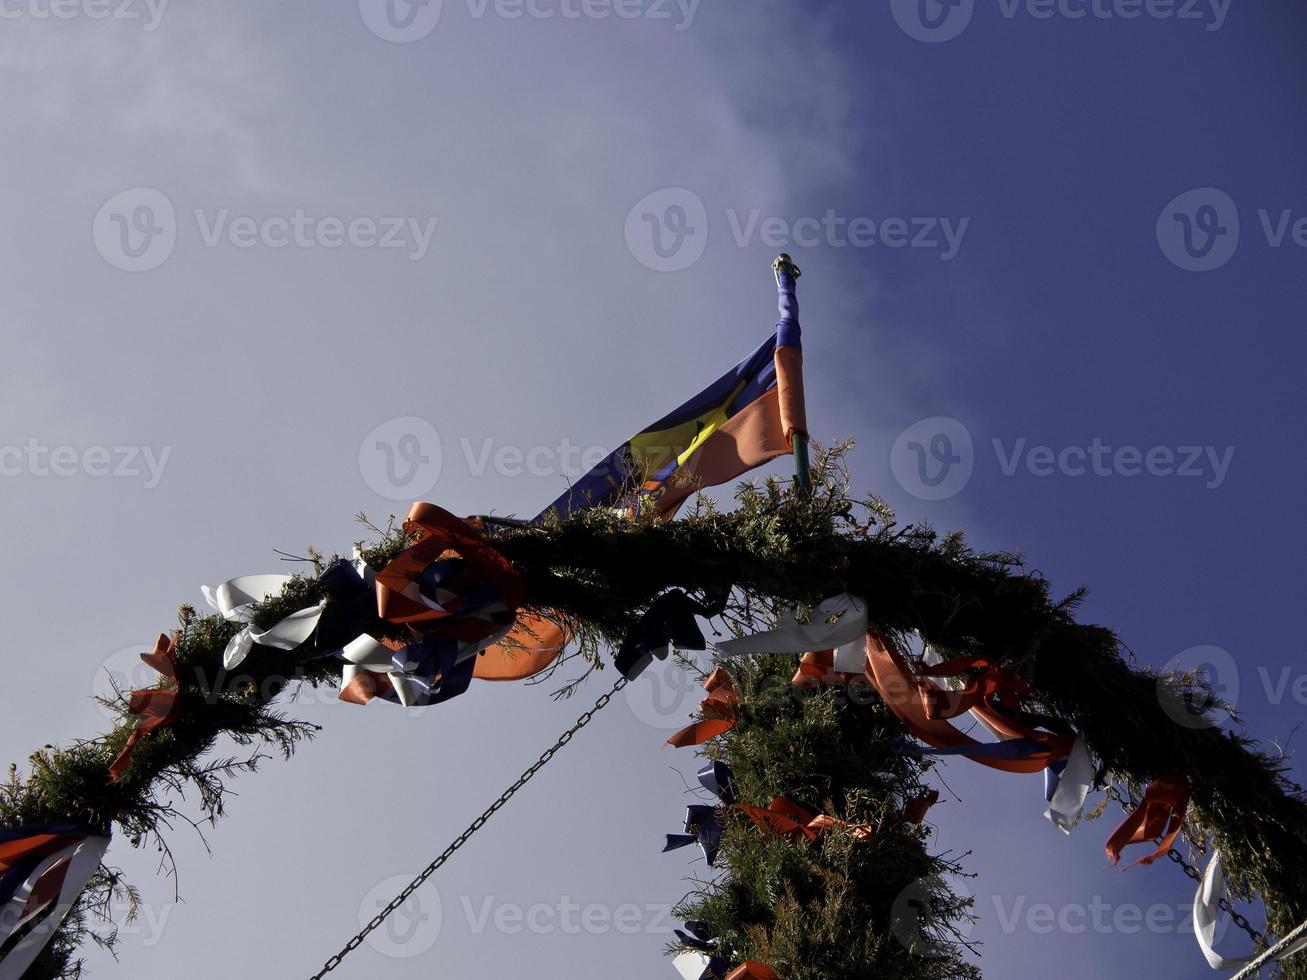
{"type": "Point", "coordinates": [435, 665]}
{"type": "Point", "coordinates": [351, 609]}
{"type": "Point", "coordinates": [701, 827]}
{"type": "Point", "coordinates": [717, 778]}
{"type": "Point", "coordinates": [669, 621]}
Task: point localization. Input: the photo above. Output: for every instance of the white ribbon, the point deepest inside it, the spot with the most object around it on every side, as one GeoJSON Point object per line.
{"type": "Point", "coordinates": [235, 600]}
{"type": "Point", "coordinates": [847, 635]}
{"type": "Point", "coordinates": [83, 860]}
{"type": "Point", "coordinates": [1068, 801]}
{"type": "Point", "coordinates": [691, 964]}
{"type": "Point", "coordinates": [366, 655]}
{"type": "Point", "coordinates": [1207, 909]}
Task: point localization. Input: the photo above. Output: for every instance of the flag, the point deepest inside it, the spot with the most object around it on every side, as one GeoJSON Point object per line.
{"type": "Point", "coordinates": [42, 868]}
{"type": "Point", "coordinates": [747, 417]}
{"type": "Point", "coordinates": [742, 420]}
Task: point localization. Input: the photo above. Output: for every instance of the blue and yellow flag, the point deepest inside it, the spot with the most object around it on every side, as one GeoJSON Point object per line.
{"type": "Point", "coordinates": [745, 418]}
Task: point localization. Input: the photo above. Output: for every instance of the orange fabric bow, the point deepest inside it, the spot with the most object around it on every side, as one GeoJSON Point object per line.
{"type": "Point", "coordinates": [443, 535]}
{"type": "Point", "coordinates": [1160, 812]}
{"type": "Point", "coordinates": [920, 805]}
{"type": "Point", "coordinates": [719, 709]}
{"type": "Point", "coordinates": [902, 693]}
{"type": "Point", "coordinates": [994, 683]}
{"type": "Point", "coordinates": [749, 970]}
{"type": "Point", "coordinates": [157, 707]}
{"type": "Point", "coordinates": [788, 819]}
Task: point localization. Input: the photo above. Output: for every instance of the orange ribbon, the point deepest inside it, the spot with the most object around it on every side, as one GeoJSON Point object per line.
{"type": "Point", "coordinates": [749, 970]}
{"type": "Point", "coordinates": [902, 693]}
{"type": "Point", "coordinates": [444, 535]}
{"type": "Point", "coordinates": [788, 819]}
{"type": "Point", "coordinates": [1160, 812]}
{"type": "Point", "coordinates": [817, 668]}
{"type": "Point", "coordinates": [994, 683]}
{"type": "Point", "coordinates": [531, 646]}
{"type": "Point", "coordinates": [157, 707]}
{"type": "Point", "coordinates": [719, 709]}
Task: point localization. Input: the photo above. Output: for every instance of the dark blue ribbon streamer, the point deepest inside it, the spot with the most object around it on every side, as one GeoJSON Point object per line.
{"type": "Point", "coordinates": [701, 827]}
{"type": "Point", "coordinates": [669, 621]}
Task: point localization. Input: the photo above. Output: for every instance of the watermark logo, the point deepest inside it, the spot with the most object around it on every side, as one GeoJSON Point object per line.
{"type": "Point", "coordinates": [1193, 708]}
{"type": "Point", "coordinates": [37, 460]}
{"type": "Point", "coordinates": [401, 21]}
{"type": "Point", "coordinates": [920, 916]}
{"type": "Point", "coordinates": [933, 459]}
{"type": "Point", "coordinates": [401, 459]}
{"type": "Point", "coordinates": [1199, 230]}
{"type": "Point", "coordinates": [933, 21]}
{"type": "Point", "coordinates": [667, 231]}
{"type": "Point", "coordinates": [149, 12]}
{"type": "Point", "coordinates": [664, 695]}
{"type": "Point", "coordinates": [136, 230]}
{"type": "Point", "coordinates": [412, 929]}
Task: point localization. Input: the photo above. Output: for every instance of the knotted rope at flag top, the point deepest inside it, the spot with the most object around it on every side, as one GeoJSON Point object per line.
{"type": "Point", "coordinates": [43, 870]}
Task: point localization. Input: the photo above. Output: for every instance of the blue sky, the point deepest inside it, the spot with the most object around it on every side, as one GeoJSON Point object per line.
{"type": "Point", "coordinates": [343, 220]}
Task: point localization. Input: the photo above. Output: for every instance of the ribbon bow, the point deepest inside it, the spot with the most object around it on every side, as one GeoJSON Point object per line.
{"type": "Point", "coordinates": [838, 627]}
{"type": "Point", "coordinates": [749, 970]}
{"type": "Point", "coordinates": [994, 687]}
{"type": "Point", "coordinates": [450, 581]}
{"type": "Point", "coordinates": [719, 709]}
{"type": "Point", "coordinates": [700, 961]}
{"type": "Point", "coordinates": [1024, 749]}
{"type": "Point", "coordinates": [1159, 814]}
{"type": "Point", "coordinates": [669, 622]}
{"type": "Point", "coordinates": [157, 707]}
{"type": "Point", "coordinates": [788, 819]}
{"type": "Point", "coordinates": [235, 600]}
{"type": "Point", "coordinates": [717, 778]}
{"type": "Point", "coordinates": [702, 827]}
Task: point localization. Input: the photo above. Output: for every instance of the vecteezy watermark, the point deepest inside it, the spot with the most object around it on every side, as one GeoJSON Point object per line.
{"type": "Point", "coordinates": [934, 21]}
{"type": "Point", "coordinates": [1200, 686]}
{"type": "Point", "coordinates": [935, 458]}
{"type": "Point", "coordinates": [35, 460]}
{"type": "Point", "coordinates": [566, 916]}
{"type": "Point", "coordinates": [1097, 916]}
{"type": "Point", "coordinates": [405, 21]}
{"type": "Point", "coordinates": [1191, 706]}
{"type": "Point", "coordinates": [401, 21]}
{"type": "Point", "coordinates": [668, 230]}
{"type": "Point", "coordinates": [412, 929]}
{"type": "Point", "coordinates": [403, 458]}
{"type": "Point", "coordinates": [137, 230]}
{"type": "Point", "coordinates": [148, 12]}
{"type": "Point", "coordinates": [921, 919]}
{"type": "Point", "coordinates": [1200, 230]}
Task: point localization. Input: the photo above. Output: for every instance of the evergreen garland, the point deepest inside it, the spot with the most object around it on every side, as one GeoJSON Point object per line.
{"type": "Point", "coordinates": [819, 910]}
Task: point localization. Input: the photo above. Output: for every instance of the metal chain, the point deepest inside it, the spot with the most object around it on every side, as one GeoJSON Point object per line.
{"type": "Point", "coordinates": [1226, 905]}
{"type": "Point", "coordinates": [462, 838]}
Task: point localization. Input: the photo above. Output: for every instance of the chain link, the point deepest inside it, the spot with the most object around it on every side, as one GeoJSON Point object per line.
{"type": "Point", "coordinates": [1226, 905]}
{"type": "Point", "coordinates": [463, 838]}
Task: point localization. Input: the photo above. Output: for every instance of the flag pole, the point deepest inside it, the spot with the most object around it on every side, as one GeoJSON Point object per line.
{"type": "Point", "coordinates": [788, 304]}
